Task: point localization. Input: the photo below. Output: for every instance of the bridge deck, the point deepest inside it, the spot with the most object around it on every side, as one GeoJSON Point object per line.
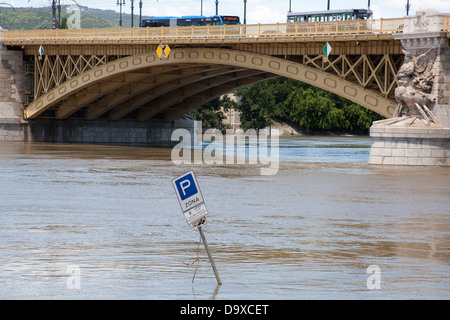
{"type": "Point", "coordinates": [281, 32]}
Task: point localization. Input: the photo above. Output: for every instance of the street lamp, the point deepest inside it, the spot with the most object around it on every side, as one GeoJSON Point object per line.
{"type": "Point", "coordinates": [120, 3]}
{"type": "Point", "coordinates": [56, 23]}
{"type": "Point", "coordinates": [140, 13]}
{"type": "Point", "coordinates": [132, 15]}
{"type": "Point", "coordinates": [407, 7]}
{"type": "Point", "coordinates": [245, 11]}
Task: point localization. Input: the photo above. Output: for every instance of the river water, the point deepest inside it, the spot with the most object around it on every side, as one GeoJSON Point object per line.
{"type": "Point", "coordinates": [103, 222]}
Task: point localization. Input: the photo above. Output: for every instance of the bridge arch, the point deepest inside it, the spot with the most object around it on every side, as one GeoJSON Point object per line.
{"type": "Point", "coordinates": [147, 85]}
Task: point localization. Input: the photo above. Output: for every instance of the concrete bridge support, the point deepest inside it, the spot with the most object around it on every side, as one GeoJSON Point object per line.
{"type": "Point", "coordinates": [406, 142]}
{"type": "Point", "coordinates": [14, 83]}
{"type": "Point", "coordinates": [102, 131]}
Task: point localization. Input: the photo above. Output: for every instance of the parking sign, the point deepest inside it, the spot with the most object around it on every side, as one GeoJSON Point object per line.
{"type": "Point", "coordinates": [194, 210]}
{"type": "Point", "coordinates": [188, 191]}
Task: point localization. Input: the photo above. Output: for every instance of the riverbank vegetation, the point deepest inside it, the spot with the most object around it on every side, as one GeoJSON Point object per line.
{"type": "Point", "coordinates": [290, 101]}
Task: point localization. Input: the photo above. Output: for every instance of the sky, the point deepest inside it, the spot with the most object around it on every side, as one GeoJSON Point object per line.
{"type": "Point", "coordinates": [258, 11]}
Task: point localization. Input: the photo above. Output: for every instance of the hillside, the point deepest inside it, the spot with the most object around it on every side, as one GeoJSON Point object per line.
{"type": "Point", "coordinates": [41, 18]}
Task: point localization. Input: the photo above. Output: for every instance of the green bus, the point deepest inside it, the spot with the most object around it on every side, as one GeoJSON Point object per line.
{"type": "Point", "coordinates": [329, 15]}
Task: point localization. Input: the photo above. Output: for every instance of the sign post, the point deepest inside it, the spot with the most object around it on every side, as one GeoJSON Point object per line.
{"type": "Point", "coordinates": [193, 207]}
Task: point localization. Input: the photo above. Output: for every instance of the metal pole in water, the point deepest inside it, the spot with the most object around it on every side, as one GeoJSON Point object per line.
{"type": "Point", "coordinates": [209, 256]}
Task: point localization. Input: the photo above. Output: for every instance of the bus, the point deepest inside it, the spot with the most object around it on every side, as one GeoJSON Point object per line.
{"type": "Point", "coordinates": [329, 15]}
{"type": "Point", "coordinates": [187, 21]}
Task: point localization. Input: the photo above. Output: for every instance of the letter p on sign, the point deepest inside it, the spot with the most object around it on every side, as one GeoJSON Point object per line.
{"type": "Point", "coordinates": [184, 185]}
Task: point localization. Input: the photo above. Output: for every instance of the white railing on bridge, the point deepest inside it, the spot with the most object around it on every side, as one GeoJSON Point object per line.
{"type": "Point", "coordinates": [209, 32]}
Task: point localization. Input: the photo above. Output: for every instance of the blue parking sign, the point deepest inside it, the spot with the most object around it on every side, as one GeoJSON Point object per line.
{"type": "Point", "coordinates": [186, 186]}
{"type": "Point", "coordinates": [188, 191]}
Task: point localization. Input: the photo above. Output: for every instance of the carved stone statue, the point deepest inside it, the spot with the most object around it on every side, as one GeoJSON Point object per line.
{"type": "Point", "coordinates": [414, 86]}
{"type": "Point", "coordinates": [424, 20]}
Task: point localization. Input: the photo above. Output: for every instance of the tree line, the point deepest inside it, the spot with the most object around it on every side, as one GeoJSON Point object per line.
{"type": "Point", "coordinates": [291, 101]}
{"type": "Point", "coordinates": [41, 18]}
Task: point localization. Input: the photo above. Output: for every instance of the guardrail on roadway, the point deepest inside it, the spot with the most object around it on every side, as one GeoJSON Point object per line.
{"type": "Point", "coordinates": [210, 32]}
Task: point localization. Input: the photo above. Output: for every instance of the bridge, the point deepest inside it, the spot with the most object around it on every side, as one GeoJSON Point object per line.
{"type": "Point", "coordinates": [156, 75]}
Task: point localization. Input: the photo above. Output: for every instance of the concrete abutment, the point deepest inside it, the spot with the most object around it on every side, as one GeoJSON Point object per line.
{"type": "Point", "coordinates": [101, 131]}
{"type": "Point", "coordinates": [14, 84]}
{"type": "Point", "coordinates": [416, 142]}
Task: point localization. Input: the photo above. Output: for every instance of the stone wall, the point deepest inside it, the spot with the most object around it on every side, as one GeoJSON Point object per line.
{"type": "Point", "coordinates": [127, 132]}
{"type": "Point", "coordinates": [13, 85]}
{"type": "Point", "coordinates": [410, 146]}
{"type": "Point", "coordinates": [442, 83]}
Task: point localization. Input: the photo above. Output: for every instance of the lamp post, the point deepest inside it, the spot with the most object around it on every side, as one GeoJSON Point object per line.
{"type": "Point", "coordinates": [53, 14]}
{"type": "Point", "coordinates": [217, 7]}
{"type": "Point", "coordinates": [407, 7]}
{"type": "Point", "coordinates": [132, 13]}
{"type": "Point", "coordinates": [140, 13]}
{"type": "Point", "coordinates": [245, 11]}
{"type": "Point", "coordinates": [59, 14]}
{"type": "Point", "coordinates": [120, 3]}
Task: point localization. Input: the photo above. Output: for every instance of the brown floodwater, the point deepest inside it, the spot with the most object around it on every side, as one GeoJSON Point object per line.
{"type": "Point", "coordinates": [308, 232]}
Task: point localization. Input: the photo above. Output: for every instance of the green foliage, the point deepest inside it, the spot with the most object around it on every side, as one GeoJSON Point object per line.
{"type": "Point", "coordinates": [211, 113]}
{"type": "Point", "coordinates": [302, 104]}
{"type": "Point", "coordinates": [41, 18]}
{"type": "Point", "coordinates": [64, 23]}
{"type": "Point", "coordinates": [257, 105]}
{"type": "Point", "coordinates": [25, 18]}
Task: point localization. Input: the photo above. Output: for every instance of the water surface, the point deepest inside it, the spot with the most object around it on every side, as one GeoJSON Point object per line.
{"type": "Point", "coordinates": [309, 232]}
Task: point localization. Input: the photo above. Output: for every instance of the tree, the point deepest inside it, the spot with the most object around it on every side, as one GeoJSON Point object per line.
{"type": "Point", "coordinates": [309, 109]}
{"type": "Point", "coordinates": [64, 23]}
{"type": "Point", "coordinates": [307, 106]}
{"type": "Point", "coordinates": [256, 106]}
{"type": "Point", "coordinates": [212, 113]}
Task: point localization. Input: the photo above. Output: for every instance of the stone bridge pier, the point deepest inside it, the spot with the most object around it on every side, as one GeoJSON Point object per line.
{"type": "Point", "coordinates": [420, 137]}
{"type": "Point", "coordinates": [14, 84]}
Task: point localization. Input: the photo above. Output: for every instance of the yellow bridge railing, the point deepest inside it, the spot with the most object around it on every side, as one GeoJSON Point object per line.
{"type": "Point", "coordinates": [206, 32]}
{"type": "Point", "coordinates": [446, 23]}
